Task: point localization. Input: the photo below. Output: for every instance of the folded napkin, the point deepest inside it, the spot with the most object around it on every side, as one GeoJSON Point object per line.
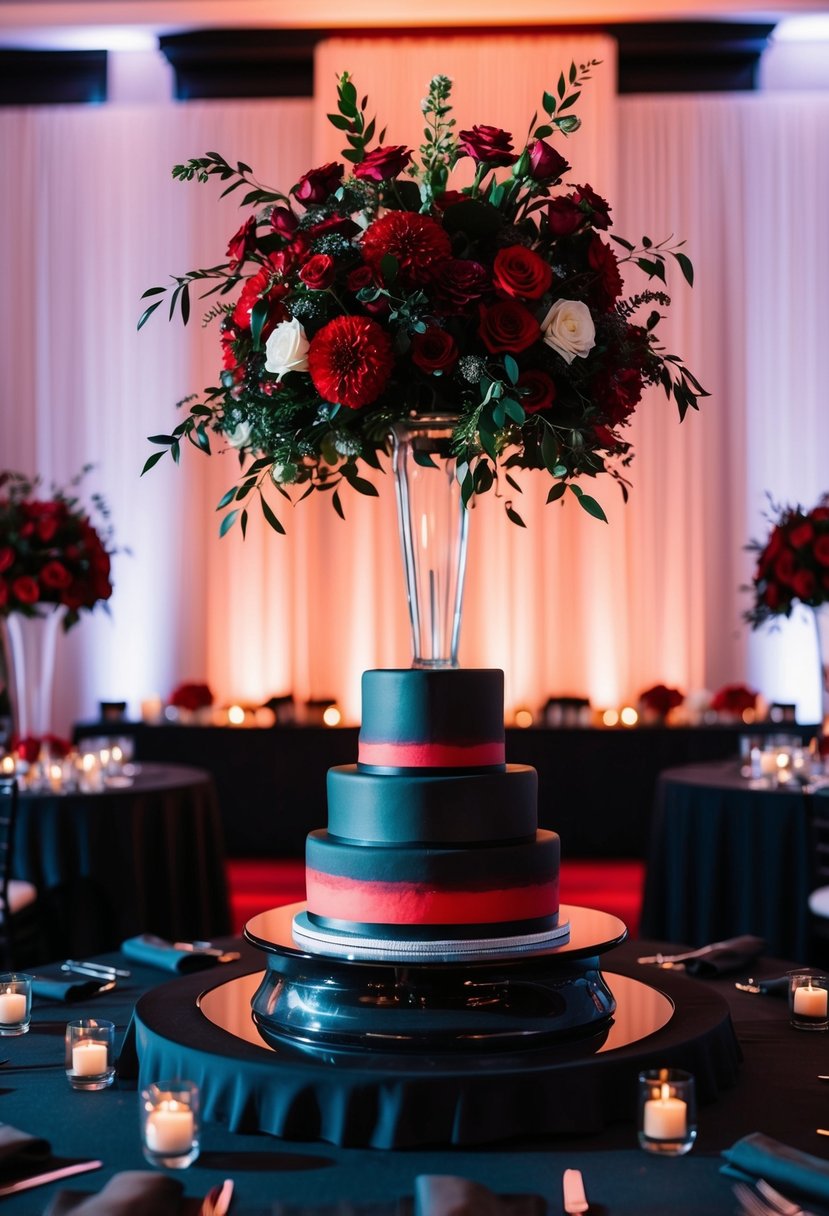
{"type": "Point", "coordinates": [759, 1156]}
{"type": "Point", "coordinates": [66, 987]}
{"type": "Point", "coordinates": [132, 1193]}
{"type": "Point", "coordinates": [732, 955]}
{"type": "Point", "coordinates": [155, 952]}
{"type": "Point", "coordinates": [448, 1195]}
{"type": "Point", "coordinates": [21, 1153]}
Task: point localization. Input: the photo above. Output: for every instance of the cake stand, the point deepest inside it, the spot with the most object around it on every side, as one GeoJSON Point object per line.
{"type": "Point", "coordinates": [499, 1000]}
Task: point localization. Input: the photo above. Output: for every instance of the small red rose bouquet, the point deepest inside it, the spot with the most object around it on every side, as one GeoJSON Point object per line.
{"type": "Point", "coordinates": [191, 696]}
{"type": "Point", "coordinates": [50, 552]}
{"type": "Point", "coordinates": [660, 699]}
{"type": "Point", "coordinates": [734, 699]}
{"type": "Point", "coordinates": [793, 564]}
{"type": "Point", "coordinates": [368, 295]}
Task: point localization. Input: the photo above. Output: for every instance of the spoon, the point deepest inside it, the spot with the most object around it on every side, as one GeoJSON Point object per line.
{"type": "Point", "coordinates": [221, 956]}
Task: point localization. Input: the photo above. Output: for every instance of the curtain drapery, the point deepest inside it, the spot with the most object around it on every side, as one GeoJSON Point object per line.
{"type": "Point", "coordinates": [567, 604]}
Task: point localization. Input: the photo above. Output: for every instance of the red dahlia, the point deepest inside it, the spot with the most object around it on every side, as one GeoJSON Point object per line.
{"type": "Point", "coordinates": [350, 360]}
{"type": "Point", "coordinates": [417, 242]}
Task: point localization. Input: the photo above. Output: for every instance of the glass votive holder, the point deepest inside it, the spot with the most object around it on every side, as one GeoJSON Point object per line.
{"type": "Point", "coordinates": [15, 1003]}
{"type": "Point", "coordinates": [667, 1122]}
{"type": "Point", "coordinates": [170, 1123]}
{"type": "Point", "coordinates": [808, 999]}
{"type": "Point", "coordinates": [90, 1053]}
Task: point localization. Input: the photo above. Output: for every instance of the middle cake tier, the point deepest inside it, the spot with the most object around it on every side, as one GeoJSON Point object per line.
{"type": "Point", "coordinates": [432, 808]}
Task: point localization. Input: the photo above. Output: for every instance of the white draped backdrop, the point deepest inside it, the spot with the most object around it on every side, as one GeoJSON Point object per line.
{"type": "Point", "coordinates": [92, 217]}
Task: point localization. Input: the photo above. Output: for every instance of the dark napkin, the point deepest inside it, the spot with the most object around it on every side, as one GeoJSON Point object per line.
{"type": "Point", "coordinates": [63, 986]}
{"type": "Point", "coordinates": [758, 1156]}
{"type": "Point", "coordinates": [132, 1193]}
{"type": "Point", "coordinates": [732, 955]}
{"type": "Point", "coordinates": [448, 1195]}
{"type": "Point", "coordinates": [21, 1153]}
{"type": "Point", "coordinates": [155, 952]}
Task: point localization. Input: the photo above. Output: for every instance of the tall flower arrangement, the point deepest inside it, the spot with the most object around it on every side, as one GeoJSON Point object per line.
{"type": "Point", "coordinates": [50, 551]}
{"type": "Point", "coordinates": [375, 289]}
{"type": "Point", "coordinates": [792, 564]}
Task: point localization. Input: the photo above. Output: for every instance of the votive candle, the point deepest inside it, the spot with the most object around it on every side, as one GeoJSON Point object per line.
{"type": "Point", "coordinates": [665, 1117]}
{"type": "Point", "coordinates": [12, 1007]}
{"type": "Point", "coordinates": [89, 1058]}
{"type": "Point", "coordinates": [169, 1129]}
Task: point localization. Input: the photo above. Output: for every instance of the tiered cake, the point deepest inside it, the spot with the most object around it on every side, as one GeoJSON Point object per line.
{"type": "Point", "coordinates": [433, 847]}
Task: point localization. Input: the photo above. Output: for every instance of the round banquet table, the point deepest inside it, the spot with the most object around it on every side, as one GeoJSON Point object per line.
{"type": "Point", "coordinates": [145, 858]}
{"type": "Point", "coordinates": [776, 1092]}
{"type": "Point", "coordinates": [728, 856]}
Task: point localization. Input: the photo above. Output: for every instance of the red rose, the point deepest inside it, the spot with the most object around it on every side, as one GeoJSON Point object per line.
{"type": "Point", "coordinates": [350, 360]}
{"type": "Point", "coordinates": [488, 144]}
{"type": "Point", "coordinates": [602, 259]}
{"type": "Point", "coordinates": [801, 535]}
{"type": "Point", "coordinates": [383, 164]}
{"type": "Point", "coordinates": [4, 593]}
{"type": "Point", "coordinates": [342, 224]}
{"type": "Point", "coordinates": [661, 699]}
{"type": "Point", "coordinates": [434, 350]}
{"type": "Point", "coordinates": [539, 390]}
{"type": "Point", "coordinates": [241, 243]}
{"type": "Point", "coordinates": [804, 584]}
{"type": "Point", "coordinates": [27, 749]}
{"type": "Point", "coordinates": [284, 222]}
{"type": "Point", "coordinates": [546, 164]}
{"type": "Point", "coordinates": [6, 558]}
{"type": "Point", "coordinates": [359, 278]}
{"type": "Point", "coordinates": [564, 216]}
{"type": "Point", "coordinates": [318, 184]}
{"type": "Point", "coordinates": [520, 272]}
{"type": "Point", "coordinates": [619, 394]}
{"type": "Point", "coordinates": [734, 699]}
{"type": "Point", "coordinates": [55, 576]}
{"type": "Point", "coordinates": [25, 589]}
{"type": "Point", "coordinates": [593, 205]}
{"type": "Point", "coordinates": [605, 437]}
{"type": "Point", "coordinates": [772, 597]}
{"type": "Point", "coordinates": [459, 283]}
{"type": "Point", "coordinates": [784, 567]}
{"type": "Point", "coordinates": [448, 199]}
{"type": "Point", "coordinates": [507, 326]}
{"type": "Point", "coordinates": [318, 272]}
{"type": "Point", "coordinates": [417, 242]}
{"type": "Point", "coordinates": [820, 514]}
{"type": "Point", "coordinates": [191, 696]}
{"type": "Point", "coordinates": [821, 550]}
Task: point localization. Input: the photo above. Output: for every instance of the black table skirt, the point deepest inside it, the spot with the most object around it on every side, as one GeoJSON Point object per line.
{"type": "Point", "coordinates": [148, 858]}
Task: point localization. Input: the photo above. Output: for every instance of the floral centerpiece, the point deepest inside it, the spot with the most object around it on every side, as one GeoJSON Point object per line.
{"type": "Point", "coordinates": [792, 567]}
{"type": "Point", "coordinates": [50, 552]}
{"type": "Point", "coordinates": [658, 701]}
{"type": "Point", "coordinates": [734, 700]}
{"type": "Point", "coordinates": [374, 293]}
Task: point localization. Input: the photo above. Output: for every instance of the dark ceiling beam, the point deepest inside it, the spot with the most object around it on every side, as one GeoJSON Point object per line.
{"type": "Point", "coordinates": [29, 78]}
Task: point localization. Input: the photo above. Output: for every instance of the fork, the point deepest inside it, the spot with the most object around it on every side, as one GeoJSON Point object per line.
{"type": "Point", "coordinates": [768, 1202]}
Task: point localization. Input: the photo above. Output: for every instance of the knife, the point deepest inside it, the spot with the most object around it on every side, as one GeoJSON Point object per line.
{"type": "Point", "coordinates": [65, 1171]}
{"type": "Point", "coordinates": [575, 1199]}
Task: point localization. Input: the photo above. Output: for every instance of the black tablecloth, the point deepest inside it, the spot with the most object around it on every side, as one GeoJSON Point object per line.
{"type": "Point", "coordinates": [728, 856]}
{"type": "Point", "coordinates": [148, 858]}
{"type": "Point", "coordinates": [777, 1092]}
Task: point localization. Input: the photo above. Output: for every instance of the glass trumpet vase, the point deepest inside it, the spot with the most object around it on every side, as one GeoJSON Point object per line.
{"type": "Point", "coordinates": [29, 645]}
{"type": "Point", "coordinates": [433, 525]}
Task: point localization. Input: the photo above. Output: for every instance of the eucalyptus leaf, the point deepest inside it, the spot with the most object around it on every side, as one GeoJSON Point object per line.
{"type": "Point", "coordinates": [227, 497]}
{"type": "Point", "coordinates": [271, 518]}
{"type": "Point", "coordinates": [556, 491]}
{"type": "Point", "coordinates": [151, 461]}
{"type": "Point", "coordinates": [228, 522]}
{"type": "Point", "coordinates": [513, 516]}
{"type": "Point", "coordinates": [424, 459]}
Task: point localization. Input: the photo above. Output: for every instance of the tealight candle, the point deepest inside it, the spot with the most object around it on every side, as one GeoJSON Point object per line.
{"type": "Point", "coordinates": [665, 1118]}
{"type": "Point", "coordinates": [809, 1001]}
{"type": "Point", "coordinates": [15, 1003]}
{"type": "Point", "coordinates": [170, 1123]}
{"type": "Point", "coordinates": [169, 1129]}
{"type": "Point", "coordinates": [12, 1007]}
{"type": "Point", "coordinates": [89, 1059]}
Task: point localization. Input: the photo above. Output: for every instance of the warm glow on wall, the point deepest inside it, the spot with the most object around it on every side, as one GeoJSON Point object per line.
{"type": "Point", "coordinates": [523, 718]}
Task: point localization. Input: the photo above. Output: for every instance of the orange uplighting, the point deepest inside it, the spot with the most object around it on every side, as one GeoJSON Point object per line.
{"type": "Point", "coordinates": [332, 716]}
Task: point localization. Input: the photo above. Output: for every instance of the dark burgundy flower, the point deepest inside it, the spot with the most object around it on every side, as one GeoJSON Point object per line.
{"type": "Point", "coordinates": [4, 593]}
{"type": "Point", "coordinates": [490, 145]}
{"type": "Point", "coordinates": [734, 699]}
{"type": "Point", "coordinates": [319, 184]}
{"type": "Point", "coordinates": [6, 557]}
{"type": "Point", "coordinates": [660, 699]}
{"type": "Point", "coordinates": [804, 584]}
{"type": "Point", "coordinates": [448, 199]}
{"type": "Point", "coordinates": [546, 164]}
{"type": "Point", "coordinates": [608, 284]}
{"type": "Point", "coordinates": [55, 576]}
{"type": "Point", "coordinates": [458, 283]}
{"type": "Point", "coordinates": [241, 243]}
{"type": "Point", "coordinates": [262, 286]}
{"type": "Point", "coordinates": [784, 567]}
{"type": "Point", "coordinates": [539, 390]}
{"type": "Point", "coordinates": [563, 216]}
{"type": "Point", "coordinates": [618, 393]}
{"type": "Point", "coordinates": [350, 360]}
{"type": "Point", "coordinates": [191, 696]}
{"type": "Point", "coordinates": [343, 225]}
{"type": "Point", "coordinates": [318, 272]}
{"type": "Point", "coordinates": [596, 208]}
{"type": "Point", "coordinates": [520, 272]}
{"type": "Point", "coordinates": [507, 326]}
{"type": "Point", "coordinates": [359, 278]}
{"type": "Point", "coordinates": [284, 222]}
{"type": "Point", "coordinates": [417, 242]}
{"type": "Point", "coordinates": [383, 164]}
{"type": "Point", "coordinates": [25, 589]}
{"type": "Point", "coordinates": [801, 535]}
{"type": "Point", "coordinates": [822, 549]}
{"type": "Point", "coordinates": [434, 351]}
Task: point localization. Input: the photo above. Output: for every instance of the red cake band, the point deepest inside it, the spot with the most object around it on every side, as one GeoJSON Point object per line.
{"type": "Point", "coordinates": [337, 897]}
{"type": "Point", "coordinates": [431, 755]}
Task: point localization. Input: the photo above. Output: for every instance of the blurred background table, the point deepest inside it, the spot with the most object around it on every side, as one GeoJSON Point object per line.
{"type": "Point", "coordinates": [145, 858]}
{"type": "Point", "coordinates": [729, 856]}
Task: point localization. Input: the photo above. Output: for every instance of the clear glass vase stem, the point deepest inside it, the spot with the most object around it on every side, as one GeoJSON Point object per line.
{"type": "Point", "coordinates": [821, 615]}
{"type": "Point", "coordinates": [29, 643]}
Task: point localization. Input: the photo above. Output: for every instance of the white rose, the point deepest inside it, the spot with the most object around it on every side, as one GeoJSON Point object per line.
{"type": "Point", "coordinates": [239, 436]}
{"type": "Point", "coordinates": [286, 350]}
{"type": "Point", "coordinates": [568, 327]}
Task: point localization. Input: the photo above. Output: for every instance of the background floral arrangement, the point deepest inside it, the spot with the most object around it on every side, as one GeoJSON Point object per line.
{"type": "Point", "coordinates": [793, 564]}
{"type": "Point", "coordinates": [660, 699]}
{"type": "Point", "coordinates": [370, 296]}
{"type": "Point", "coordinates": [734, 699]}
{"type": "Point", "coordinates": [50, 552]}
{"type": "Point", "coordinates": [191, 696]}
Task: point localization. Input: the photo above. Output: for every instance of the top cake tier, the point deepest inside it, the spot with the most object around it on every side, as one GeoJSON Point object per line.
{"type": "Point", "coordinates": [445, 718]}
